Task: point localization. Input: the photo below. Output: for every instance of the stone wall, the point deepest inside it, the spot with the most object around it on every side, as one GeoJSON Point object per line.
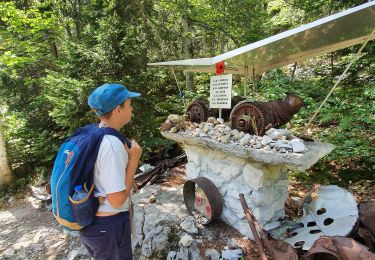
{"type": "Point", "coordinates": [265, 186]}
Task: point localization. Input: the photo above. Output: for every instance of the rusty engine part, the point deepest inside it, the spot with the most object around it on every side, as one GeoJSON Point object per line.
{"type": "Point", "coordinates": [257, 117]}
{"type": "Point", "coordinates": [276, 249]}
{"type": "Point", "coordinates": [365, 230]}
{"type": "Point", "coordinates": [199, 110]}
{"type": "Point", "coordinates": [340, 248]}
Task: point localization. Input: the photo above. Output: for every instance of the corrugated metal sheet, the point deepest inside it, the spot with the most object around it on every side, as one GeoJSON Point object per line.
{"type": "Point", "coordinates": [325, 35]}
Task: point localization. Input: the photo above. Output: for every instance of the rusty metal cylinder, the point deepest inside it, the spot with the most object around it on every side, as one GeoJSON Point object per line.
{"type": "Point", "coordinates": [201, 195]}
{"type": "Point", "coordinates": [258, 117]}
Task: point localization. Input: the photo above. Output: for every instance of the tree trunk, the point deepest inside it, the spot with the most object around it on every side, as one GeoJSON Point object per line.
{"type": "Point", "coordinates": [187, 48]}
{"type": "Point", "coordinates": [5, 172]}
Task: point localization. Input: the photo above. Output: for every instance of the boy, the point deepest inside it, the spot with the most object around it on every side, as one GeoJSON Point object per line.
{"type": "Point", "coordinates": [109, 236]}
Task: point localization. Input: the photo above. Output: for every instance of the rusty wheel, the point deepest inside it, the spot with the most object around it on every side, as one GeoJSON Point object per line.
{"type": "Point", "coordinates": [248, 117]}
{"type": "Point", "coordinates": [197, 111]}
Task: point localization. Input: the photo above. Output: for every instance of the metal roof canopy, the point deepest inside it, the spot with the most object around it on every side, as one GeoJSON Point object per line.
{"type": "Point", "coordinates": [325, 35]}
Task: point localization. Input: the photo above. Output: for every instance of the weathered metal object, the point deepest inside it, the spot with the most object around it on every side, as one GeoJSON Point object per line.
{"type": "Point", "coordinates": [257, 117]}
{"type": "Point", "coordinates": [201, 194]}
{"type": "Point", "coordinates": [277, 249]}
{"type": "Point", "coordinates": [331, 212]}
{"type": "Point", "coordinates": [365, 232]}
{"type": "Point", "coordinates": [340, 248]}
{"type": "Point", "coordinates": [199, 110]}
{"type": "Point", "coordinates": [251, 219]}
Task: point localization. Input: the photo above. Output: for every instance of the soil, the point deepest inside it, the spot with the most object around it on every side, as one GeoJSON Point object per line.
{"type": "Point", "coordinates": [28, 228]}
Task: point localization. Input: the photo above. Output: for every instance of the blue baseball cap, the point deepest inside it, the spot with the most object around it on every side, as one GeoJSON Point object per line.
{"type": "Point", "coordinates": [108, 96]}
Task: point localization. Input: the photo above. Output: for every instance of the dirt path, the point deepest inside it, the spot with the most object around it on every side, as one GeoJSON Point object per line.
{"type": "Point", "coordinates": [30, 233]}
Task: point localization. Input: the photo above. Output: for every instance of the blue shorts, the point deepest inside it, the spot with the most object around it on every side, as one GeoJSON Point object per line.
{"type": "Point", "coordinates": [109, 237]}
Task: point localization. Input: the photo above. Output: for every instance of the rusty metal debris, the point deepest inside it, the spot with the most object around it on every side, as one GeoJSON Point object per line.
{"type": "Point", "coordinates": [199, 110]}
{"type": "Point", "coordinates": [201, 195]}
{"type": "Point", "coordinates": [276, 249]}
{"type": "Point", "coordinates": [340, 248]}
{"type": "Point", "coordinates": [365, 231]}
{"type": "Point", "coordinates": [257, 117]}
{"type": "Point", "coordinates": [155, 173]}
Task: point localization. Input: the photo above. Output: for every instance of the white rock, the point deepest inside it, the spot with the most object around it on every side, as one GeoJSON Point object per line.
{"type": "Point", "coordinates": [189, 225]}
{"type": "Point", "coordinates": [266, 140]}
{"type": "Point", "coordinates": [146, 167]}
{"type": "Point", "coordinates": [280, 144]}
{"type": "Point", "coordinates": [245, 140]}
{"type": "Point", "coordinates": [211, 120]}
{"type": "Point", "coordinates": [202, 135]}
{"type": "Point", "coordinates": [232, 243]}
{"type": "Point", "coordinates": [192, 171]}
{"type": "Point", "coordinates": [220, 120]}
{"type": "Point", "coordinates": [156, 241]}
{"type": "Point", "coordinates": [186, 240]}
{"type": "Point", "coordinates": [277, 133]}
{"type": "Point", "coordinates": [267, 148]}
{"type": "Point", "coordinates": [174, 119]}
{"type": "Point", "coordinates": [35, 203]}
{"type": "Point", "coordinates": [212, 254]}
{"type": "Point", "coordinates": [9, 252]}
{"type": "Point", "coordinates": [174, 129]}
{"type": "Point", "coordinates": [252, 176]}
{"type": "Point", "coordinates": [172, 255]}
{"type": "Point", "coordinates": [231, 254]}
{"type": "Point", "coordinates": [234, 132]}
{"type": "Point", "coordinates": [298, 145]}
{"type": "Point", "coordinates": [11, 200]}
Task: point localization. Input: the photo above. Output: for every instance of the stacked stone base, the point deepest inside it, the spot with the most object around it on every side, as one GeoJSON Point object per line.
{"type": "Point", "coordinates": [265, 186]}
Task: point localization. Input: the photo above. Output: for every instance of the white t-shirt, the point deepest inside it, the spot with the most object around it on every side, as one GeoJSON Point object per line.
{"type": "Point", "coordinates": [109, 172]}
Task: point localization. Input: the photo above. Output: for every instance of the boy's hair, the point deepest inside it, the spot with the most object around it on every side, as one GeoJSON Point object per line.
{"type": "Point", "coordinates": [108, 114]}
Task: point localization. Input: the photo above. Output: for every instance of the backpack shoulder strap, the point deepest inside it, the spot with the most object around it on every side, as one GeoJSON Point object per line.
{"type": "Point", "coordinates": [111, 131]}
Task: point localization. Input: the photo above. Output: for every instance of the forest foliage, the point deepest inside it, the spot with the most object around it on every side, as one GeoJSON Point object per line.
{"type": "Point", "coordinates": [53, 53]}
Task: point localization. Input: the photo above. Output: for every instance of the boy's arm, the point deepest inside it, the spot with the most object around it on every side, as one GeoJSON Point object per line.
{"type": "Point", "coordinates": [118, 198]}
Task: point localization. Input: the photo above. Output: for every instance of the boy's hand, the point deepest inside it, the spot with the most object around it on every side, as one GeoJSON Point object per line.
{"type": "Point", "coordinates": [134, 152]}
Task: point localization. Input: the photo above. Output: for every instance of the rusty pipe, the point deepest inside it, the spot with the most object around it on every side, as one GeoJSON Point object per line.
{"type": "Point", "coordinates": [249, 216]}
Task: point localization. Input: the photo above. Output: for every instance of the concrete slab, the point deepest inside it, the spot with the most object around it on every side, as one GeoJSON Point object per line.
{"type": "Point", "coordinates": [295, 161]}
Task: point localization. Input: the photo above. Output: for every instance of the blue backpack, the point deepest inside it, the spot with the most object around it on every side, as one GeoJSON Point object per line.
{"type": "Point", "coordinates": [74, 165]}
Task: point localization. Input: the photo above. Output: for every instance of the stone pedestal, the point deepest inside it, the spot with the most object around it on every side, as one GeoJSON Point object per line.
{"type": "Point", "coordinates": [259, 174]}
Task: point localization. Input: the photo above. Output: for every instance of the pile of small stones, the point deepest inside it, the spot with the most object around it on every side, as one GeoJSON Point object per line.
{"type": "Point", "coordinates": [200, 220]}
{"type": "Point", "coordinates": [277, 140]}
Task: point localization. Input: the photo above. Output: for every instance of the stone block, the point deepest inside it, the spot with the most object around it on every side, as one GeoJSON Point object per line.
{"type": "Point", "coordinates": [215, 178]}
{"type": "Point", "coordinates": [192, 155]}
{"type": "Point", "coordinates": [252, 177]}
{"type": "Point", "coordinates": [192, 170]}
{"type": "Point", "coordinates": [243, 227]}
{"type": "Point", "coordinates": [228, 216]}
{"type": "Point", "coordinates": [223, 189]}
{"type": "Point", "coordinates": [215, 165]}
{"type": "Point", "coordinates": [230, 171]}
{"type": "Point", "coordinates": [234, 205]}
{"type": "Point", "coordinates": [255, 198]}
{"type": "Point", "coordinates": [235, 188]}
{"type": "Point", "coordinates": [214, 154]}
{"type": "Point", "coordinates": [236, 160]}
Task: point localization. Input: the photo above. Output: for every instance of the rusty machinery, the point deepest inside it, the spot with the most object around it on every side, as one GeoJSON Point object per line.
{"type": "Point", "coordinates": [248, 116]}
{"type": "Point", "coordinates": [199, 110]}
